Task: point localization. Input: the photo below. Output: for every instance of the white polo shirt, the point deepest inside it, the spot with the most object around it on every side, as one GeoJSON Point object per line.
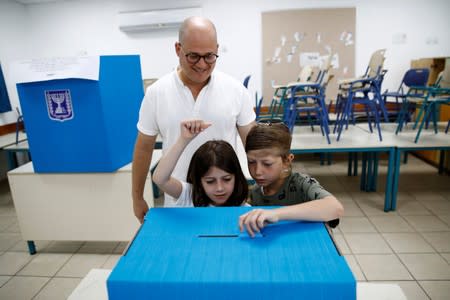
{"type": "Point", "coordinates": [224, 102]}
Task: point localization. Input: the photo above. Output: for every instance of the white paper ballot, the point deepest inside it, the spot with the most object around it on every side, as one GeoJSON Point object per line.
{"type": "Point", "coordinates": [43, 69]}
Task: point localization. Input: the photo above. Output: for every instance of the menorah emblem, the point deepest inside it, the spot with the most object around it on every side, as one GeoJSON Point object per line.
{"type": "Point", "coordinates": [59, 105]}
{"type": "Point", "coordinates": [59, 99]}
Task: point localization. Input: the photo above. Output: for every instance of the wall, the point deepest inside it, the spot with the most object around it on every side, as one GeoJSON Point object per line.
{"type": "Point", "coordinates": [90, 27]}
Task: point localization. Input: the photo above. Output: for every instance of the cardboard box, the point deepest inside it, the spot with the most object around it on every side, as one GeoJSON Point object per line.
{"type": "Point", "coordinates": [198, 253]}
{"type": "Point", "coordinates": [79, 125]}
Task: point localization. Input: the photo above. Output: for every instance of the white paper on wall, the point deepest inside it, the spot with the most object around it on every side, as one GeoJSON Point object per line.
{"type": "Point", "coordinates": [310, 59]}
{"type": "Point", "coordinates": [335, 61]}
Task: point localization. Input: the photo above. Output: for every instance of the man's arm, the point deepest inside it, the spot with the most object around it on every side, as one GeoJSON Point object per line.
{"type": "Point", "coordinates": [142, 157]}
{"type": "Point", "coordinates": [243, 131]}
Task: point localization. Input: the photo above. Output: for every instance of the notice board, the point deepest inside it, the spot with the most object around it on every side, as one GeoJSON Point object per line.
{"type": "Point", "coordinates": [295, 38]}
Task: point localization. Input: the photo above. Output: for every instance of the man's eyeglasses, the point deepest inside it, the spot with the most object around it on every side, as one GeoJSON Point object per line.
{"type": "Point", "coordinates": [194, 58]}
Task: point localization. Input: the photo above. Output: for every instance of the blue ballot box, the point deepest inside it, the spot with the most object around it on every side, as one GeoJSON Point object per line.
{"type": "Point", "coordinates": [79, 125]}
{"type": "Point", "coordinates": [198, 253]}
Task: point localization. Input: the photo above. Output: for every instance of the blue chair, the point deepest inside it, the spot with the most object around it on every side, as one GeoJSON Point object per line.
{"type": "Point", "coordinates": [280, 99]}
{"type": "Point", "coordinates": [309, 98]}
{"type": "Point", "coordinates": [366, 91]}
{"type": "Point", "coordinates": [430, 99]}
{"type": "Point", "coordinates": [412, 77]}
{"type": "Point", "coordinates": [246, 80]}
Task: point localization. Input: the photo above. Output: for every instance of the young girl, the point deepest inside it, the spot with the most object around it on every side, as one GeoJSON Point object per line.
{"type": "Point", "coordinates": [269, 162]}
{"type": "Point", "coordinates": [214, 177]}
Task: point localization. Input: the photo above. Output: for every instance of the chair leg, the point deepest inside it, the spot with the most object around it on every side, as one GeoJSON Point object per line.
{"type": "Point", "coordinates": [421, 111]}
{"type": "Point", "coordinates": [435, 117]}
{"type": "Point", "coordinates": [426, 115]}
{"type": "Point", "coordinates": [377, 122]}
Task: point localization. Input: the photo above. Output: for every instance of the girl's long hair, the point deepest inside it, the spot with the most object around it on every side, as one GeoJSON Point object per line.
{"type": "Point", "coordinates": [219, 154]}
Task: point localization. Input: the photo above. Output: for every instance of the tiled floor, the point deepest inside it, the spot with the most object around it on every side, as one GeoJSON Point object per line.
{"type": "Point", "coordinates": [410, 246]}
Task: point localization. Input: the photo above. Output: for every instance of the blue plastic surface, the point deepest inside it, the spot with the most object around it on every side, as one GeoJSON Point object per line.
{"type": "Point", "coordinates": [99, 136]}
{"type": "Point", "coordinates": [198, 253]}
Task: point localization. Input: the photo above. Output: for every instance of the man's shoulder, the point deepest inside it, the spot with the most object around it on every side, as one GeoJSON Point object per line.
{"type": "Point", "coordinates": [163, 82]}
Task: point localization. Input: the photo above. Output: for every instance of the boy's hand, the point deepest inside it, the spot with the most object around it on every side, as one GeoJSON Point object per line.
{"type": "Point", "coordinates": [255, 220]}
{"type": "Point", "coordinates": [191, 128]}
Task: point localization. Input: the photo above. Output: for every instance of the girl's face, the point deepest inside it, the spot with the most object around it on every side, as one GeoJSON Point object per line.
{"type": "Point", "coordinates": [266, 167]}
{"type": "Point", "coordinates": [218, 185]}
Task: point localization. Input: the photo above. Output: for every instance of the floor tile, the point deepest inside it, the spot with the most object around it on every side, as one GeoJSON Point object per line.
{"type": "Point", "coordinates": [12, 262]}
{"type": "Point", "coordinates": [22, 246]}
{"type": "Point", "coordinates": [7, 221]}
{"type": "Point", "coordinates": [7, 210]}
{"type": "Point", "coordinates": [80, 264]}
{"type": "Point", "coordinates": [426, 223]}
{"type": "Point", "coordinates": [438, 206]}
{"type": "Point", "coordinates": [446, 256]}
{"type": "Point", "coordinates": [8, 240]}
{"type": "Point", "coordinates": [439, 240]}
{"type": "Point", "coordinates": [372, 208]}
{"type": "Point", "coordinates": [426, 196]}
{"type": "Point", "coordinates": [411, 289]}
{"type": "Point", "coordinates": [356, 269]}
{"type": "Point", "coordinates": [98, 247]}
{"type": "Point", "coordinates": [341, 243]}
{"type": "Point", "coordinates": [445, 218]}
{"type": "Point", "coordinates": [63, 247]}
{"type": "Point", "coordinates": [412, 208]}
{"type": "Point", "coordinates": [4, 279]}
{"type": "Point", "coordinates": [58, 288]}
{"type": "Point", "coordinates": [367, 243]}
{"type": "Point", "coordinates": [390, 223]}
{"type": "Point", "coordinates": [425, 266]}
{"type": "Point", "coordinates": [13, 228]}
{"type": "Point", "coordinates": [45, 264]}
{"type": "Point", "coordinates": [356, 224]}
{"type": "Point", "coordinates": [382, 267]}
{"type": "Point", "coordinates": [121, 247]}
{"type": "Point", "coordinates": [408, 243]}
{"type": "Point", "coordinates": [22, 288]}
{"type": "Point", "coordinates": [352, 210]}
{"type": "Point", "coordinates": [111, 262]}
{"type": "Point", "coordinates": [437, 290]}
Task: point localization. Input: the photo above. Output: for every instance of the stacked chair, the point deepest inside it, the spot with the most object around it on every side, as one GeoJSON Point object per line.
{"type": "Point", "coordinates": [281, 96]}
{"type": "Point", "coordinates": [308, 99]}
{"type": "Point", "coordinates": [429, 99]}
{"type": "Point", "coordinates": [412, 77]}
{"type": "Point", "coordinates": [366, 91]}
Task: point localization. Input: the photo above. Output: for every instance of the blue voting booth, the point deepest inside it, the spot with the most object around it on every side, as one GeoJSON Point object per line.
{"type": "Point", "coordinates": [198, 253]}
{"type": "Point", "coordinates": [80, 125]}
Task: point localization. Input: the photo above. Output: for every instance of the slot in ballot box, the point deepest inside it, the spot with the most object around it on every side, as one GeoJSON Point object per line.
{"type": "Point", "coordinates": [81, 125]}
{"type": "Point", "coordinates": [199, 253]}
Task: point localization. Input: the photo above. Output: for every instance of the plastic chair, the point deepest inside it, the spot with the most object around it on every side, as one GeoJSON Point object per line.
{"type": "Point", "coordinates": [309, 98]}
{"type": "Point", "coordinates": [430, 98]}
{"type": "Point", "coordinates": [364, 90]}
{"type": "Point", "coordinates": [246, 80]}
{"type": "Point", "coordinates": [412, 77]}
{"type": "Point", "coordinates": [277, 107]}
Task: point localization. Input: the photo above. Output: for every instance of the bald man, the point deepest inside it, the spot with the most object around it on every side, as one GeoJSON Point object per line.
{"type": "Point", "coordinates": [193, 91]}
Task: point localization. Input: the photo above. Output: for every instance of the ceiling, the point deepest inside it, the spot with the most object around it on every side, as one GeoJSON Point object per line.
{"type": "Point", "coordinates": [25, 2]}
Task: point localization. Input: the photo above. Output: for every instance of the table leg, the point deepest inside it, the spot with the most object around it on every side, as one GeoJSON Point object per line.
{"type": "Point", "coordinates": [395, 176]}
{"type": "Point", "coordinates": [441, 161]}
{"type": "Point", "coordinates": [31, 247]}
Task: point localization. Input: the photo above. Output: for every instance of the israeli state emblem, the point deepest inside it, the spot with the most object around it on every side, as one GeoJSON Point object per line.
{"type": "Point", "coordinates": [59, 105]}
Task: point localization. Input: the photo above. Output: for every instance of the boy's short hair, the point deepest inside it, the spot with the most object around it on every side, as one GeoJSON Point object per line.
{"type": "Point", "coordinates": [269, 134]}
